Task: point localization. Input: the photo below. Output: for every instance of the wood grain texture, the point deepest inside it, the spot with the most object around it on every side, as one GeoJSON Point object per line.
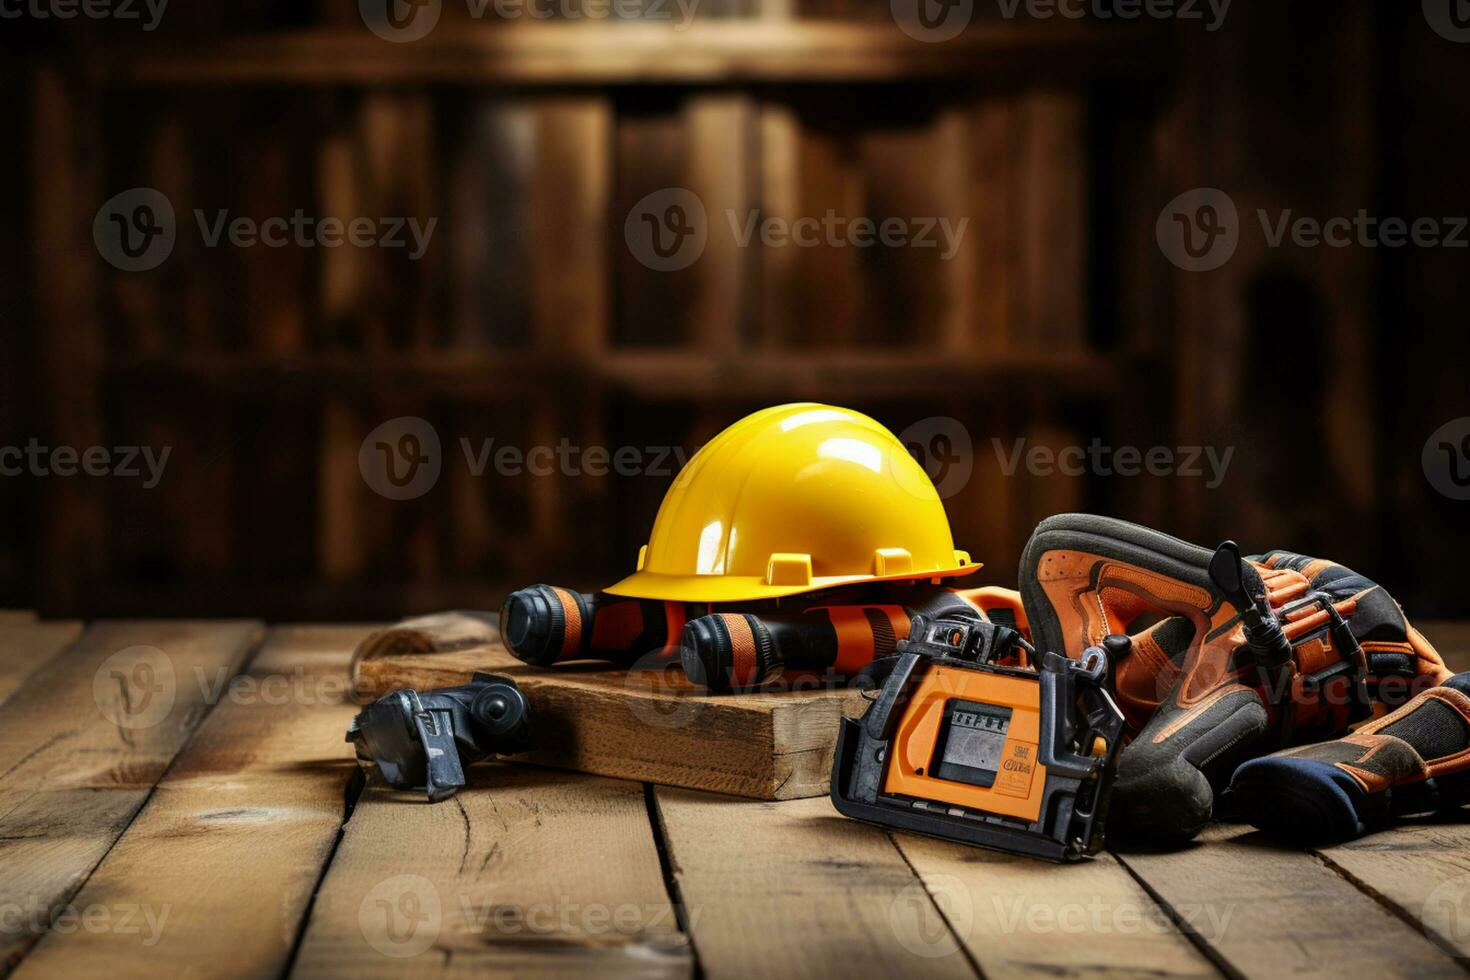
{"type": "Point", "coordinates": [650, 725]}
{"type": "Point", "coordinates": [27, 645]}
{"type": "Point", "coordinates": [569, 199]}
{"type": "Point", "coordinates": [83, 742]}
{"type": "Point", "coordinates": [1422, 872]}
{"type": "Point", "coordinates": [1263, 909]}
{"type": "Point", "coordinates": [525, 873]}
{"type": "Point", "coordinates": [70, 334]}
{"type": "Point", "coordinates": [436, 633]}
{"type": "Point", "coordinates": [836, 899]}
{"type": "Point", "coordinates": [1052, 210]}
{"type": "Point", "coordinates": [228, 849]}
{"type": "Point", "coordinates": [722, 169]}
{"type": "Point", "coordinates": [1021, 918]}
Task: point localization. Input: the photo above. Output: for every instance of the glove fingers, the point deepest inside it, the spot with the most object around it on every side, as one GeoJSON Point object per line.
{"type": "Point", "coordinates": [1168, 776]}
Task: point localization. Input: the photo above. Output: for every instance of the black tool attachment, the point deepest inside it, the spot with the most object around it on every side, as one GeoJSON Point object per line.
{"type": "Point", "coordinates": [425, 740]}
{"type": "Point", "coordinates": [946, 701]}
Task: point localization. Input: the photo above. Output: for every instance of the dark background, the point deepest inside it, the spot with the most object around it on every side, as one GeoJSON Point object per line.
{"type": "Point", "coordinates": [530, 320]}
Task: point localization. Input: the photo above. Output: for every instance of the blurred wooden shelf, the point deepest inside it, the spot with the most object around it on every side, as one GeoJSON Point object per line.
{"type": "Point", "coordinates": [651, 375]}
{"type": "Point", "coordinates": [711, 52]}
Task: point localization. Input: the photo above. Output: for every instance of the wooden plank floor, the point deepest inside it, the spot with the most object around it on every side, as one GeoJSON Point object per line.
{"type": "Point", "coordinates": [177, 798]}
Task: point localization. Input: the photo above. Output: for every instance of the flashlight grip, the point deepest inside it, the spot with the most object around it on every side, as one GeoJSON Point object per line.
{"type": "Point", "coordinates": [544, 625]}
{"type": "Point", "coordinates": [730, 651]}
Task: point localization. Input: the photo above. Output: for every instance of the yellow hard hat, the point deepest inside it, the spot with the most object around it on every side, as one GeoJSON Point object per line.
{"type": "Point", "coordinates": [793, 499]}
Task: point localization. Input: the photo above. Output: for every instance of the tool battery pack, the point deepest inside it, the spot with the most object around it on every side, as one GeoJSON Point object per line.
{"type": "Point", "coordinates": [975, 737]}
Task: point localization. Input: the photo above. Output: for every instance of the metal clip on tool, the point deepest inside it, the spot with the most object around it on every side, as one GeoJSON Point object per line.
{"type": "Point", "coordinates": [424, 741]}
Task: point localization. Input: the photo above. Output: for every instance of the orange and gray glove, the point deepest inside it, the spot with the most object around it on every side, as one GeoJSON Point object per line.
{"type": "Point", "coordinates": [1217, 660]}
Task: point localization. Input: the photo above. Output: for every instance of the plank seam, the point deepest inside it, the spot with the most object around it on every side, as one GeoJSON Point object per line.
{"type": "Point", "coordinates": [356, 783]}
{"type": "Point", "coordinates": [256, 643]}
{"type": "Point", "coordinates": [1214, 956]}
{"type": "Point", "coordinates": [964, 947]}
{"type": "Point", "coordinates": [671, 881]}
{"type": "Point", "coordinates": [1393, 908]}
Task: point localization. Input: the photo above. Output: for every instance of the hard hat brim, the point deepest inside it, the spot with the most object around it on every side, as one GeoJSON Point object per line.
{"type": "Point", "coordinates": [747, 588]}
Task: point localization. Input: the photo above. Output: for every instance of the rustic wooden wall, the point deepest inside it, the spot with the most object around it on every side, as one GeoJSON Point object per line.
{"type": "Point", "coordinates": [530, 321]}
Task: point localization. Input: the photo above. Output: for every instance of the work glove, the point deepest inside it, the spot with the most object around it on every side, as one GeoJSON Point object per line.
{"type": "Point", "coordinates": [1200, 692]}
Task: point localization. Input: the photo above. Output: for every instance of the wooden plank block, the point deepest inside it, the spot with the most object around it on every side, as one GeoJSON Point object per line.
{"type": "Point", "coordinates": [1020, 917]}
{"type": "Point", "coordinates": [650, 725]}
{"type": "Point", "coordinates": [1267, 911]}
{"type": "Point", "coordinates": [793, 889]}
{"type": "Point", "coordinates": [83, 742]}
{"type": "Point", "coordinates": [229, 848]}
{"type": "Point", "coordinates": [27, 645]}
{"type": "Point", "coordinates": [525, 872]}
